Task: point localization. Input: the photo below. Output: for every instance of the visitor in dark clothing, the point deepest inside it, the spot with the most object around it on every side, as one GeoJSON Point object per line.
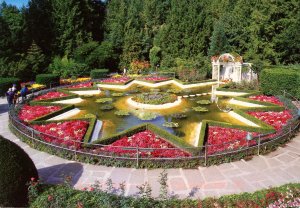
{"type": "Point", "coordinates": [10, 97]}
{"type": "Point", "coordinates": [24, 92]}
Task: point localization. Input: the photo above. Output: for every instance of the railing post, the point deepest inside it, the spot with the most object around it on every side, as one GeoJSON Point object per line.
{"type": "Point", "coordinates": [32, 138]}
{"type": "Point", "coordinates": [258, 145]}
{"type": "Point", "coordinates": [205, 155]}
{"type": "Point", "coordinates": [75, 151]}
{"type": "Point", "coordinates": [137, 156]}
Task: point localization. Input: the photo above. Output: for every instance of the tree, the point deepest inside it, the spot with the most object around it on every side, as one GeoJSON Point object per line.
{"type": "Point", "coordinates": [68, 26]}
{"type": "Point", "coordinates": [35, 60]}
{"type": "Point", "coordinates": [38, 18]}
{"type": "Point", "coordinates": [67, 67]}
{"type": "Point", "coordinates": [155, 56]}
{"type": "Point", "coordinates": [219, 42]}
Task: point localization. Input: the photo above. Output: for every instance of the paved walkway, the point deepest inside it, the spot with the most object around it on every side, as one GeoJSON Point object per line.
{"type": "Point", "coordinates": [277, 168]}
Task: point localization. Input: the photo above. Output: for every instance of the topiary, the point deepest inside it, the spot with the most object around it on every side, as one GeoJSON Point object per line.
{"type": "Point", "coordinates": [16, 171]}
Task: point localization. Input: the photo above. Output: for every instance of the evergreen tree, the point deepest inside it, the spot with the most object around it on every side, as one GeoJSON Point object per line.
{"type": "Point", "coordinates": [219, 42]}
{"type": "Point", "coordinates": [40, 25]}
{"type": "Point", "coordinates": [68, 25]}
{"type": "Point", "coordinates": [35, 60]}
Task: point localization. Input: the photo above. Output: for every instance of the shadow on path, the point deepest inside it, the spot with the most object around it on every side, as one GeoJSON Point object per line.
{"type": "Point", "coordinates": [3, 108]}
{"type": "Point", "coordinates": [57, 174]}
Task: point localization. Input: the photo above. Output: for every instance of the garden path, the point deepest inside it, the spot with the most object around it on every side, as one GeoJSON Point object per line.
{"type": "Point", "coordinates": [279, 167]}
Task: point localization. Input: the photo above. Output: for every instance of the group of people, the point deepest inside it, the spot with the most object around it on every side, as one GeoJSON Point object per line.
{"type": "Point", "coordinates": [12, 95]}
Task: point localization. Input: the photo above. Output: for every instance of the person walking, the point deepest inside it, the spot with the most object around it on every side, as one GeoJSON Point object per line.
{"type": "Point", "coordinates": [24, 92]}
{"type": "Point", "coordinates": [10, 97]}
{"type": "Point", "coordinates": [14, 88]}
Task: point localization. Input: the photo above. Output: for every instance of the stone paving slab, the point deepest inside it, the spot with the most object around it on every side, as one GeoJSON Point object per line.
{"type": "Point", "coordinates": [279, 167]}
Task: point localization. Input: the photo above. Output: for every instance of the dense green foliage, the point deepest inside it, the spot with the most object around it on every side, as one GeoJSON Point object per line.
{"type": "Point", "coordinates": [65, 196]}
{"type": "Point", "coordinates": [110, 34]}
{"type": "Point", "coordinates": [47, 79]}
{"type": "Point", "coordinates": [99, 73]}
{"type": "Point", "coordinates": [6, 83]}
{"type": "Point", "coordinates": [275, 80]}
{"type": "Point", "coordinates": [16, 171]}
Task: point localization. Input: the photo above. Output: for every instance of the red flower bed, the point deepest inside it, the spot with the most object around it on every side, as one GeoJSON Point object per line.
{"type": "Point", "coordinates": [145, 139]}
{"type": "Point", "coordinates": [275, 119]}
{"type": "Point", "coordinates": [222, 139]}
{"type": "Point", "coordinates": [155, 78]}
{"type": "Point", "coordinates": [264, 98]}
{"type": "Point", "coordinates": [116, 80]}
{"type": "Point", "coordinates": [28, 113]}
{"type": "Point", "coordinates": [63, 133]}
{"type": "Point", "coordinates": [82, 85]}
{"type": "Point", "coordinates": [51, 95]}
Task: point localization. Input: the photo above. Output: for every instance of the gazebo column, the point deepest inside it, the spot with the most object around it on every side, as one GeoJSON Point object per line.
{"type": "Point", "coordinates": [237, 72]}
{"type": "Point", "coordinates": [215, 69]}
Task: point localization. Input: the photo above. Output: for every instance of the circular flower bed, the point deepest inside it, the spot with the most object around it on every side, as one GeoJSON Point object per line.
{"type": "Point", "coordinates": [155, 98]}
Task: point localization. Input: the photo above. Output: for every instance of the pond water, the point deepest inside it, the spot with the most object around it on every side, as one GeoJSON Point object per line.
{"type": "Point", "coordinates": [187, 127]}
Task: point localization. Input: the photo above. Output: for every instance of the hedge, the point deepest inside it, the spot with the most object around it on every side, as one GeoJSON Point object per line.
{"type": "Point", "coordinates": [16, 171]}
{"type": "Point", "coordinates": [274, 81]}
{"type": "Point", "coordinates": [47, 79]}
{"type": "Point", "coordinates": [99, 73]}
{"type": "Point", "coordinates": [6, 83]}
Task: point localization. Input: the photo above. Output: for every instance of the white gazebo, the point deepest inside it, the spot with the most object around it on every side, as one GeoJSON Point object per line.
{"type": "Point", "coordinates": [227, 67]}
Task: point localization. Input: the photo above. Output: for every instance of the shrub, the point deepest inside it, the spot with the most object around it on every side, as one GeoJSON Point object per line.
{"type": "Point", "coordinates": [6, 83]}
{"type": "Point", "coordinates": [67, 67]}
{"type": "Point", "coordinates": [16, 171]}
{"type": "Point", "coordinates": [275, 80]}
{"type": "Point", "coordinates": [137, 67]}
{"type": "Point", "coordinates": [47, 79]}
{"type": "Point", "coordinates": [99, 73]}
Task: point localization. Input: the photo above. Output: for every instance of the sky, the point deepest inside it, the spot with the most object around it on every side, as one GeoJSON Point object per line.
{"type": "Point", "coordinates": [18, 3]}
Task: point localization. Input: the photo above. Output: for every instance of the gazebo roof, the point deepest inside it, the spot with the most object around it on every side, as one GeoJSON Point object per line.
{"type": "Point", "coordinates": [228, 57]}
